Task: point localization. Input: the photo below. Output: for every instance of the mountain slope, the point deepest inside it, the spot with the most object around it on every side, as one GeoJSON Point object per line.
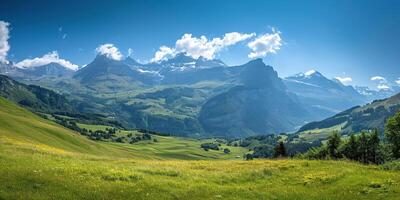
{"type": "Point", "coordinates": [367, 117]}
{"type": "Point", "coordinates": [49, 70]}
{"type": "Point", "coordinates": [322, 96]}
{"type": "Point", "coordinates": [108, 75]}
{"type": "Point", "coordinates": [259, 105]}
{"type": "Point", "coordinates": [34, 97]}
{"type": "Point", "coordinates": [182, 62]}
{"type": "Point", "coordinates": [19, 126]}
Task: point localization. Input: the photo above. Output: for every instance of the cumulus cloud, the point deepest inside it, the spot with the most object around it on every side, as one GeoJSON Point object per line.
{"type": "Point", "coordinates": [383, 87]}
{"type": "Point", "coordinates": [4, 36]}
{"type": "Point", "coordinates": [265, 44]}
{"type": "Point", "coordinates": [382, 82]}
{"type": "Point", "coordinates": [378, 78]}
{"type": "Point", "coordinates": [48, 58]}
{"type": "Point", "coordinates": [398, 81]}
{"type": "Point", "coordinates": [163, 53]}
{"type": "Point", "coordinates": [110, 51]}
{"type": "Point", "coordinates": [344, 80]}
{"type": "Point", "coordinates": [200, 46]}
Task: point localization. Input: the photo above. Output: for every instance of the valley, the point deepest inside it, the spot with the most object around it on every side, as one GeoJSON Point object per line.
{"type": "Point", "coordinates": [187, 97]}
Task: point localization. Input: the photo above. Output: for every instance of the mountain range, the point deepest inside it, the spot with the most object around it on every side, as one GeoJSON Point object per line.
{"type": "Point", "coordinates": [322, 96]}
{"type": "Point", "coordinates": [197, 97]}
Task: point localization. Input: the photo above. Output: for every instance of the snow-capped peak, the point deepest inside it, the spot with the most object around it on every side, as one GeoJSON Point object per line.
{"type": "Point", "coordinates": [310, 72]}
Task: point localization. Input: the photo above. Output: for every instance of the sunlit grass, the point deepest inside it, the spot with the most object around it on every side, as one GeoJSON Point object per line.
{"type": "Point", "coordinates": [33, 174]}
{"type": "Point", "coordinates": [42, 160]}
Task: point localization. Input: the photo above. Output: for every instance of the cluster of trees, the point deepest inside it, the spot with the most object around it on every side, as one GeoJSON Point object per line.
{"type": "Point", "coordinates": [94, 135]}
{"type": "Point", "coordinates": [214, 146]}
{"type": "Point", "coordinates": [268, 151]}
{"type": "Point", "coordinates": [109, 133]}
{"type": "Point", "coordinates": [69, 124]}
{"type": "Point", "coordinates": [364, 147]}
{"type": "Point", "coordinates": [153, 132]}
{"type": "Point", "coordinates": [138, 138]}
{"type": "Point", "coordinates": [209, 145]}
{"type": "Point", "coordinates": [105, 135]}
{"type": "Point", "coordinates": [90, 118]}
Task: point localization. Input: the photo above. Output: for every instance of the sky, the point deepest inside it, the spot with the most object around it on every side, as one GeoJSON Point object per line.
{"type": "Point", "coordinates": [356, 41]}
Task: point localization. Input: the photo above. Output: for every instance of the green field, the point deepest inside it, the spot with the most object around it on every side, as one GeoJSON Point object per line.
{"type": "Point", "coordinates": [42, 160]}
{"type": "Point", "coordinates": [316, 134]}
{"type": "Point", "coordinates": [94, 127]}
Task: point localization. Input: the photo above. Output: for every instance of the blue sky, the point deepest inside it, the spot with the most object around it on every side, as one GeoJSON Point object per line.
{"type": "Point", "coordinates": [357, 39]}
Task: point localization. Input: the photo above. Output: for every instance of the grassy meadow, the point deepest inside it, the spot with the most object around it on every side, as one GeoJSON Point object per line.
{"type": "Point", "coordinates": [42, 160]}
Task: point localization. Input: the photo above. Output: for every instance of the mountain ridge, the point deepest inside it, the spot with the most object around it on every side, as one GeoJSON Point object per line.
{"type": "Point", "coordinates": [360, 118]}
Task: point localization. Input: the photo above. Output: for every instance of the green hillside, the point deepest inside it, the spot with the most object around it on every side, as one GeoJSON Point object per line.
{"type": "Point", "coordinates": [34, 97]}
{"type": "Point", "coordinates": [42, 160]}
{"type": "Point", "coordinates": [21, 128]}
{"type": "Point", "coordinates": [360, 118]}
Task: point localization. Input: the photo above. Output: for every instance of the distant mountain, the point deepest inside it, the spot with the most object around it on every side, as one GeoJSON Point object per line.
{"type": "Point", "coordinates": [322, 96]}
{"type": "Point", "coordinates": [371, 95]}
{"type": "Point", "coordinates": [131, 62]}
{"type": "Point", "coordinates": [105, 74]}
{"type": "Point", "coordinates": [6, 68]}
{"type": "Point", "coordinates": [367, 117]}
{"type": "Point", "coordinates": [202, 62]}
{"type": "Point", "coordinates": [34, 97]}
{"type": "Point", "coordinates": [260, 104]}
{"type": "Point", "coordinates": [51, 69]}
{"type": "Point", "coordinates": [195, 75]}
{"type": "Point", "coordinates": [183, 69]}
{"type": "Point", "coordinates": [196, 97]}
{"type": "Point", "coordinates": [182, 62]}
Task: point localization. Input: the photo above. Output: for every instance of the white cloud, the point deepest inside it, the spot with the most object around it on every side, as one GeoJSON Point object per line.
{"type": "Point", "coordinates": [383, 86]}
{"type": "Point", "coordinates": [201, 46]}
{"type": "Point", "coordinates": [110, 51]}
{"type": "Point", "coordinates": [4, 36]}
{"type": "Point", "coordinates": [378, 78]}
{"type": "Point", "coordinates": [382, 82]}
{"type": "Point", "coordinates": [265, 44]}
{"type": "Point", "coordinates": [163, 53]}
{"type": "Point", "coordinates": [344, 80]}
{"type": "Point", "coordinates": [398, 81]}
{"type": "Point", "coordinates": [48, 58]}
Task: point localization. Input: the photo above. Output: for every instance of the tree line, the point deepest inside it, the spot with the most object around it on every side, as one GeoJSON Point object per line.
{"type": "Point", "coordinates": [366, 147]}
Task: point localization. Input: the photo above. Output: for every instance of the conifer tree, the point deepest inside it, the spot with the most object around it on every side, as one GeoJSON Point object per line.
{"type": "Point", "coordinates": [392, 133]}
{"type": "Point", "coordinates": [363, 147]}
{"type": "Point", "coordinates": [333, 145]}
{"type": "Point", "coordinates": [373, 147]}
{"type": "Point", "coordinates": [351, 148]}
{"type": "Point", "coordinates": [280, 150]}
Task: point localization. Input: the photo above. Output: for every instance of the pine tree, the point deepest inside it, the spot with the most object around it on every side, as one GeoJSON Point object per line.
{"type": "Point", "coordinates": [363, 148]}
{"type": "Point", "coordinates": [373, 147]}
{"type": "Point", "coordinates": [333, 145]}
{"type": "Point", "coordinates": [392, 133]}
{"type": "Point", "coordinates": [280, 150]}
{"type": "Point", "coordinates": [351, 148]}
